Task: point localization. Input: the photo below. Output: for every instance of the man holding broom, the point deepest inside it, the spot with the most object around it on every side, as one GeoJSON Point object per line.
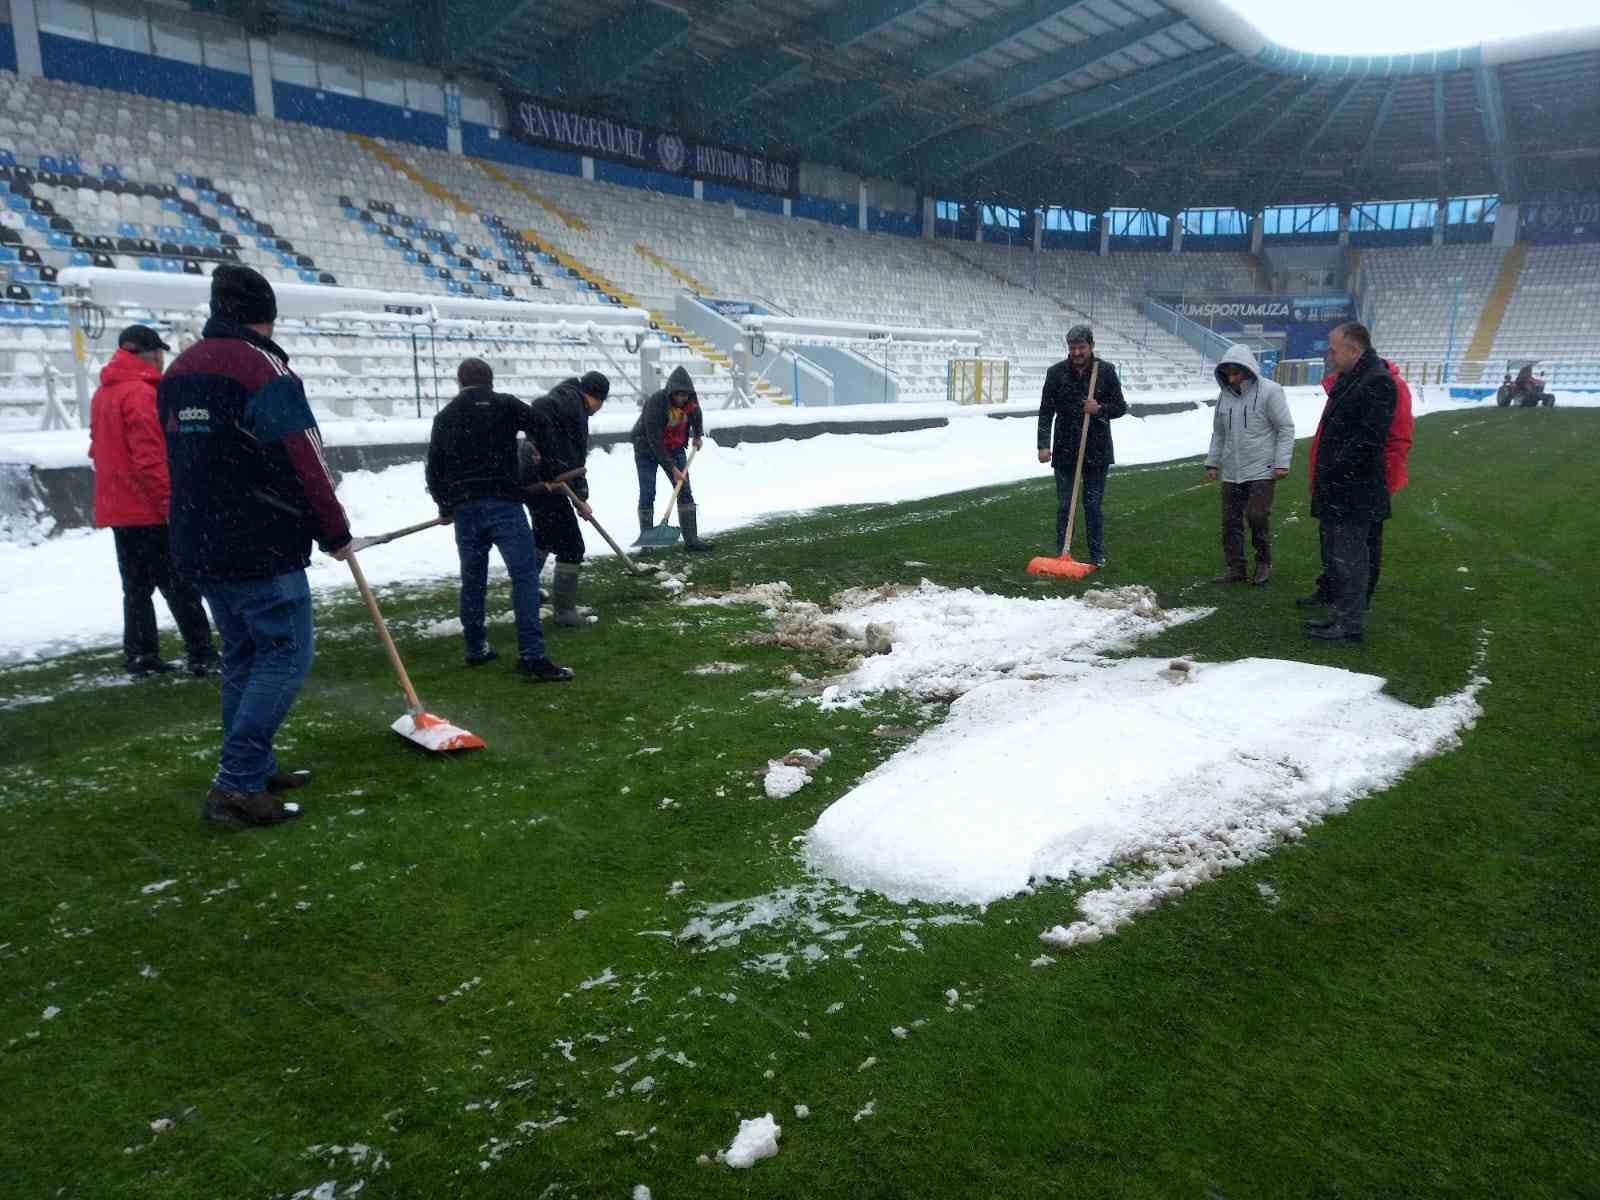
{"type": "Point", "coordinates": [250, 491]}
{"type": "Point", "coordinates": [1066, 402]}
{"type": "Point", "coordinates": [559, 446]}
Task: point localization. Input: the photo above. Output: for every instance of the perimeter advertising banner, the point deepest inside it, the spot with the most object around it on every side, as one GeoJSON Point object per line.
{"type": "Point", "coordinates": [543, 124]}
{"type": "Point", "coordinates": [1570, 220]}
{"type": "Point", "coordinates": [1303, 320]}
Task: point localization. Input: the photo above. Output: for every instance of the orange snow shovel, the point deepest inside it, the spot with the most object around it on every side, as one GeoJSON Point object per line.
{"type": "Point", "coordinates": [417, 725]}
{"type": "Point", "coordinates": [1063, 566]}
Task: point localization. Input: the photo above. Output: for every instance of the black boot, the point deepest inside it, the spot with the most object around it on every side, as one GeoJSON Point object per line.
{"type": "Point", "coordinates": [647, 521]}
{"type": "Point", "coordinates": [564, 596]}
{"type": "Point", "coordinates": [690, 516]}
{"type": "Point", "coordinates": [542, 670]}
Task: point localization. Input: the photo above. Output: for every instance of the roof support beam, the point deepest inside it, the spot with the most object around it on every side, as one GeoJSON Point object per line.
{"type": "Point", "coordinates": [1491, 107]}
{"type": "Point", "coordinates": [1228, 97]}
{"type": "Point", "coordinates": [471, 26]}
{"type": "Point", "coordinates": [961, 46]}
{"type": "Point", "coordinates": [619, 42]}
{"type": "Point", "coordinates": [1292, 165]}
{"type": "Point", "coordinates": [1057, 116]}
{"type": "Point", "coordinates": [1370, 149]}
{"type": "Point", "coordinates": [843, 26]}
{"type": "Point", "coordinates": [1041, 73]}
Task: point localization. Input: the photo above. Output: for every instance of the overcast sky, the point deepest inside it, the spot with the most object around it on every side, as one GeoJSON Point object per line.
{"type": "Point", "coordinates": [1399, 26]}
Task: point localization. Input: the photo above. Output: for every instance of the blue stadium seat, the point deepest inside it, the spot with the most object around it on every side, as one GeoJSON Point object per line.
{"type": "Point", "coordinates": [37, 222]}
{"type": "Point", "coordinates": [7, 254]}
{"type": "Point", "coordinates": [286, 260]}
{"type": "Point", "coordinates": [128, 229]}
{"type": "Point", "coordinates": [11, 314]}
{"type": "Point", "coordinates": [411, 257]}
{"type": "Point", "coordinates": [80, 259]}
{"type": "Point", "coordinates": [46, 294]}
{"type": "Point", "coordinates": [308, 276]}
{"type": "Point", "coordinates": [266, 243]}
{"type": "Point", "coordinates": [71, 165]}
{"type": "Point", "coordinates": [185, 179]}
{"type": "Point", "coordinates": [172, 266]}
{"type": "Point", "coordinates": [56, 314]}
{"type": "Point", "coordinates": [7, 158]}
{"type": "Point", "coordinates": [431, 271]}
{"type": "Point", "coordinates": [24, 274]}
{"type": "Point", "coordinates": [146, 263]}
{"type": "Point", "coordinates": [171, 206]}
{"type": "Point", "coordinates": [49, 162]}
{"type": "Point", "coordinates": [110, 171]}
{"type": "Point", "coordinates": [352, 214]}
{"type": "Point", "coordinates": [18, 203]}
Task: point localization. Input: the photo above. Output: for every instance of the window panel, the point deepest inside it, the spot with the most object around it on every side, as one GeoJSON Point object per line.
{"type": "Point", "coordinates": [67, 18]}
{"type": "Point", "coordinates": [176, 42]}
{"type": "Point", "coordinates": [124, 30]}
{"type": "Point", "coordinates": [226, 52]}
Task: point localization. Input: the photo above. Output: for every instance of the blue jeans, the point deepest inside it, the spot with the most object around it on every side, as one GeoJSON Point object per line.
{"type": "Point", "coordinates": [1094, 494]}
{"type": "Point", "coordinates": [646, 466]}
{"type": "Point", "coordinates": [266, 653]}
{"type": "Point", "coordinates": [502, 524]}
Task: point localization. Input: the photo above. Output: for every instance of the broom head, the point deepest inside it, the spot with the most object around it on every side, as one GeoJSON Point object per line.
{"type": "Point", "coordinates": [1062, 566]}
{"type": "Point", "coordinates": [435, 733]}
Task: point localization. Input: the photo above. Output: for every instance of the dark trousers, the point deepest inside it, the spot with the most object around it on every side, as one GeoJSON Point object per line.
{"type": "Point", "coordinates": [1374, 562]}
{"type": "Point", "coordinates": [144, 560]}
{"type": "Point", "coordinates": [1247, 503]}
{"type": "Point", "coordinates": [1094, 494]}
{"type": "Point", "coordinates": [501, 524]}
{"type": "Point", "coordinates": [267, 648]}
{"type": "Point", "coordinates": [1346, 567]}
{"type": "Point", "coordinates": [555, 528]}
{"type": "Point", "coordinates": [646, 466]}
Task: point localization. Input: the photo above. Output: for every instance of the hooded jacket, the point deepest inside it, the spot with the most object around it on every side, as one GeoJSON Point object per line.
{"type": "Point", "coordinates": [560, 441]}
{"type": "Point", "coordinates": [1348, 485]}
{"type": "Point", "coordinates": [1252, 432]}
{"type": "Point", "coordinates": [127, 446]}
{"type": "Point", "coordinates": [1062, 403]}
{"type": "Point", "coordinates": [472, 451]}
{"type": "Point", "coordinates": [250, 485]}
{"type": "Point", "coordinates": [1396, 447]}
{"type": "Point", "coordinates": [661, 427]}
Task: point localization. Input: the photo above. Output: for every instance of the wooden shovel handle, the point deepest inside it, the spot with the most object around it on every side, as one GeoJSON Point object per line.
{"type": "Point", "coordinates": [678, 487]}
{"type": "Point", "coordinates": [414, 704]}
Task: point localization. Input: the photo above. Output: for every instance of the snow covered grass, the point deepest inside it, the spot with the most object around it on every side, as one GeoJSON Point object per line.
{"type": "Point", "coordinates": [1395, 1002]}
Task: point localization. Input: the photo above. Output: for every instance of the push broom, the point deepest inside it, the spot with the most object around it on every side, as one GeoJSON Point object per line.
{"type": "Point", "coordinates": [1063, 566]}
{"type": "Point", "coordinates": [663, 534]}
{"type": "Point", "coordinates": [417, 725]}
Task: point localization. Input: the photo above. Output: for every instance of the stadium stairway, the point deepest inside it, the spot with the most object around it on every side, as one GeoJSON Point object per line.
{"type": "Point", "coordinates": [569, 219]}
{"type": "Point", "coordinates": [607, 287]}
{"type": "Point", "coordinates": [1494, 312]}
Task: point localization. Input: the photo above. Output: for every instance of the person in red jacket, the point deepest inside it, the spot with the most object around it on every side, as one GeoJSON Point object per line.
{"type": "Point", "coordinates": [1396, 448]}
{"type": "Point", "coordinates": [131, 492]}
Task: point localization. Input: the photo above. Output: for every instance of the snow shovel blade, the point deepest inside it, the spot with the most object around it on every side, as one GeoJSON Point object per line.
{"type": "Point", "coordinates": [661, 536]}
{"type": "Point", "coordinates": [1062, 566]}
{"type": "Point", "coordinates": [435, 733]}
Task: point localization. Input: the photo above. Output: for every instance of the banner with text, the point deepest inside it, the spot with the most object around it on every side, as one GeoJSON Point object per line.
{"type": "Point", "coordinates": [1224, 313]}
{"type": "Point", "coordinates": [1560, 220]}
{"type": "Point", "coordinates": [649, 149]}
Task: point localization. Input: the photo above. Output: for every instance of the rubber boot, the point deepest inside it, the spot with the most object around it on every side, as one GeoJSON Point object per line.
{"type": "Point", "coordinates": [564, 596]}
{"type": "Point", "coordinates": [647, 521]}
{"type": "Point", "coordinates": [689, 515]}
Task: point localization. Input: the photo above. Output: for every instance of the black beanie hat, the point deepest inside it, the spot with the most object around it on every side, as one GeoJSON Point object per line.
{"type": "Point", "coordinates": [596, 385]}
{"type": "Point", "coordinates": [243, 295]}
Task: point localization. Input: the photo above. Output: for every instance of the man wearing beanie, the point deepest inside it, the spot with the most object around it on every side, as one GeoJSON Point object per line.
{"type": "Point", "coordinates": [250, 492]}
{"type": "Point", "coordinates": [473, 477]}
{"type": "Point", "coordinates": [560, 444]}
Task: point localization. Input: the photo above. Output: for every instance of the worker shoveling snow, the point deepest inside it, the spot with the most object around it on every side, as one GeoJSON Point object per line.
{"type": "Point", "coordinates": [1057, 763]}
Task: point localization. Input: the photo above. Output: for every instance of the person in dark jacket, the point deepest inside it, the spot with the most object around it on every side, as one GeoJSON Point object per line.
{"type": "Point", "coordinates": [1064, 402]}
{"type": "Point", "coordinates": [561, 444]}
{"type": "Point", "coordinates": [472, 475]}
{"type": "Point", "coordinates": [669, 420]}
{"type": "Point", "coordinates": [1348, 488]}
{"type": "Point", "coordinates": [131, 496]}
{"type": "Point", "coordinates": [250, 491]}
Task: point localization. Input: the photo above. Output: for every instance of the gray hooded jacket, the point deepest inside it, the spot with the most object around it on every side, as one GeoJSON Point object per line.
{"type": "Point", "coordinates": [1252, 432]}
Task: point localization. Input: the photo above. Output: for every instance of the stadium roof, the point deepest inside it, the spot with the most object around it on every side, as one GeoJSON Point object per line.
{"type": "Point", "coordinates": [1164, 104]}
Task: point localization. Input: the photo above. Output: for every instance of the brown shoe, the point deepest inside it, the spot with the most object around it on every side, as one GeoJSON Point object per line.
{"type": "Point", "coordinates": [287, 781]}
{"type": "Point", "coordinates": [1263, 572]}
{"type": "Point", "coordinates": [1231, 575]}
{"type": "Point", "coordinates": [247, 808]}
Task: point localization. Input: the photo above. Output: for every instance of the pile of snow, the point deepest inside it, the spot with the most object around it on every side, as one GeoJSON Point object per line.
{"type": "Point", "coordinates": [787, 775]}
{"type": "Point", "coordinates": [755, 1140]}
{"type": "Point", "coordinates": [1049, 767]}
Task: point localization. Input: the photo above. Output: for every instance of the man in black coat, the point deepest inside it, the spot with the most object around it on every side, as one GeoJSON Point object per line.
{"type": "Point", "coordinates": [1065, 401]}
{"type": "Point", "coordinates": [473, 478]}
{"type": "Point", "coordinates": [1348, 492]}
{"type": "Point", "coordinates": [560, 444]}
{"type": "Point", "coordinates": [669, 419]}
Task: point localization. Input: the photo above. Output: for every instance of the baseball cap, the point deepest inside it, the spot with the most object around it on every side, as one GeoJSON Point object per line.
{"type": "Point", "coordinates": [141, 339]}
